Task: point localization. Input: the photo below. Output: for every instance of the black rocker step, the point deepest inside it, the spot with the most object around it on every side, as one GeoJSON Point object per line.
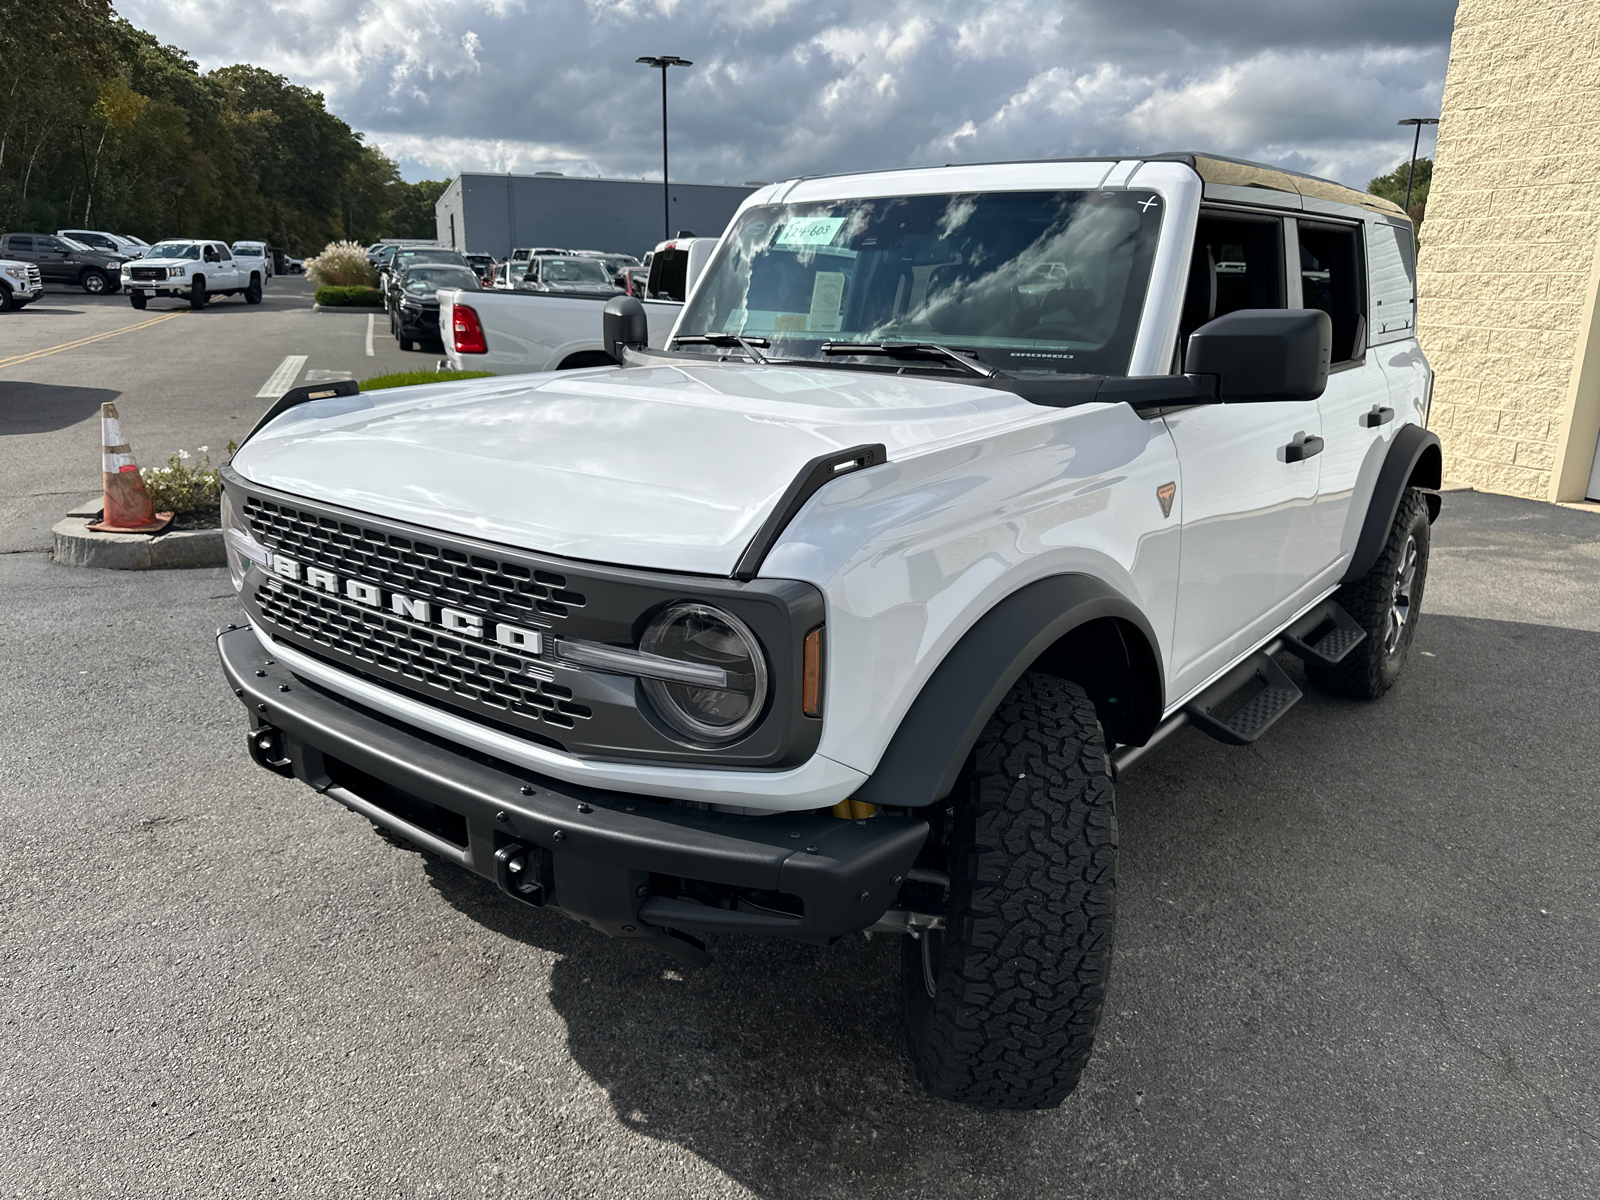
{"type": "Point", "coordinates": [1325, 634]}
{"type": "Point", "coordinates": [1244, 703]}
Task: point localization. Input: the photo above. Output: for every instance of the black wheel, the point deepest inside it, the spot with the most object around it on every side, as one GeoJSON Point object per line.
{"type": "Point", "coordinates": [8, 302]}
{"type": "Point", "coordinates": [198, 296]}
{"type": "Point", "coordinates": [137, 299]}
{"type": "Point", "coordinates": [1001, 1005]}
{"type": "Point", "coordinates": [252, 294]}
{"type": "Point", "coordinates": [94, 282]}
{"type": "Point", "coordinates": [1387, 603]}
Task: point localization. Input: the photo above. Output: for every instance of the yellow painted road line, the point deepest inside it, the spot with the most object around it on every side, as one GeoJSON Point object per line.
{"type": "Point", "coordinates": [99, 337]}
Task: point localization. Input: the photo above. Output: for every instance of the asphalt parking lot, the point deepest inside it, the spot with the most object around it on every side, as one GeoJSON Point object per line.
{"type": "Point", "coordinates": [1358, 959]}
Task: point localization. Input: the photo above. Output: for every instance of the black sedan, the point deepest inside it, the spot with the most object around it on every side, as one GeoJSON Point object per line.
{"type": "Point", "coordinates": [415, 315]}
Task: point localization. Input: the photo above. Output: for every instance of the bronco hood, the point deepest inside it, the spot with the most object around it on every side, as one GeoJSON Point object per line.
{"type": "Point", "coordinates": [672, 467]}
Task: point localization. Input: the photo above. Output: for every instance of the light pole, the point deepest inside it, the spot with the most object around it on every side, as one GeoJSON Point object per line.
{"type": "Point", "coordinates": [1416, 141]}
{"type": "Point", "coordinates": [664, 61]}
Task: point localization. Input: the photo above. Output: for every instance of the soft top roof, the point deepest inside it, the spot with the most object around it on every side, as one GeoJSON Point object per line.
{"type": "Point", "coordinates": [1239, 172]}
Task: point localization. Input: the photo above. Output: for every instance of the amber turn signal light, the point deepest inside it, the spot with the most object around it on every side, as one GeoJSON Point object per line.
{"type": "Point", "coordinates": [811, 675]}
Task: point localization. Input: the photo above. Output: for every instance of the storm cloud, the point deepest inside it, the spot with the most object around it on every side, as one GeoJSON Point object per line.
{"type": "Point", "coordinates": [787, 87]}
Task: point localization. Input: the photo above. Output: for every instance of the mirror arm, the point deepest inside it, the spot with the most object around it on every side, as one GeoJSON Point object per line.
{"type": "Point", "coordinates": [1151, 395]}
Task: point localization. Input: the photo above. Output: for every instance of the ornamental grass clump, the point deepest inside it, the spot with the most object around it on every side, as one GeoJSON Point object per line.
{"type": "Point", "coordinates": [342, 264]}
{"type": "Point", "coordinates": [187, 486]}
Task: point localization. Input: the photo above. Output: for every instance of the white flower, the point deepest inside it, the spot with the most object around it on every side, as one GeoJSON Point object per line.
{"type": "Point", "coordinates": [183, 454]}
{"type": "Point", "coordinates": [205, 449]}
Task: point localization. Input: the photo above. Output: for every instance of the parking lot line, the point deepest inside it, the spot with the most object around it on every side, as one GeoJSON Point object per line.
{"type": "Point", "coordinates": [279, 381]}
{"type": "Point", "coordinates": [370, 321]}
{"type": "Point", "coordinates": [84, 341]}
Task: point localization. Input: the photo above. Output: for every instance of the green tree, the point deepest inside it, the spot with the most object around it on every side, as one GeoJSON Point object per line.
{"type": "Point", "coordinates": [1393, 186]}
{"type": "Point", "coordinates": [413, 214]}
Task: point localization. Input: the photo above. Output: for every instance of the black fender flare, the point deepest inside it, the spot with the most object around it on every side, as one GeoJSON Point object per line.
{"type": "Point", "coordinates": [1415, 459]}
{"type": "Point", "coordinates": [928, 750]}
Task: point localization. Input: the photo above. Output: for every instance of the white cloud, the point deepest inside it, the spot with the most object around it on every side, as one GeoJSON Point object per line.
{"type": "Point", "coordinates": [781, 87]}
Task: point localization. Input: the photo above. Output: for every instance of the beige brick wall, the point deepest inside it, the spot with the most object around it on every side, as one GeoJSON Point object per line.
{"type": "Point", "coordinates": [1510, 237]}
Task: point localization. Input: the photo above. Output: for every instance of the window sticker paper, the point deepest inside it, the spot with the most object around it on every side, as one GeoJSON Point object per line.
{"type": "Point", "coordinates": [812, 231]}
{"type": "Point", "coordinates": [827, 296]}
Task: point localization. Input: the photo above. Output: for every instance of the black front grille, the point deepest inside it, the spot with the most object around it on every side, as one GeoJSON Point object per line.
{"type": "Point", "coordinates": [147, 272]}
{"type": "Point", "coordinates": [502, 590]}
{"type": "Point", "coordinates": [428, 660]}
{"type": "Point", "coordinates": [452, 667]}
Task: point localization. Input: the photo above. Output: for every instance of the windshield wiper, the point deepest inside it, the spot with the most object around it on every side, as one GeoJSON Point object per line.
{"type": "Point", "coordinates": [965, 359]}
{"type": "Point", "coordinates": [748, 345]}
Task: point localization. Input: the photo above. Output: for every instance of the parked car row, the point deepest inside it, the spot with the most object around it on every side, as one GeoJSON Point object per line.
{"type": "Point", "coordinates": [100, 263]}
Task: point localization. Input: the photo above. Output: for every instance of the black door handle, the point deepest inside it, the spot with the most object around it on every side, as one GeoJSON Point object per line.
{"type": "Point", "coordinates": [1378, 416]}
{"type": "Point", "coordinates": [1308, 447]}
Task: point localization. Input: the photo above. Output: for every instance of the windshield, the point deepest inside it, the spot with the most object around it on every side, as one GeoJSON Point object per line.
{"type": "Point", "coordinates": [1032, 281]}
{"type": "Point", "coordinates": [72, 243]}
{"type": "Point", "coordinates": [173, 250]}
{"type": "Point", "coordinates": [573, 270]}
{"type": "Point", "coordinates": [252, 249]}
{"type": "Point", "coordinates": [407, 257]}
{"type": "Point", "coordinates": [428, 279]}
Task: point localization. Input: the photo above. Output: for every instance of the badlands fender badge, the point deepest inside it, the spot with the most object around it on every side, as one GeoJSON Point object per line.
{"type": "Point", "coordinates": [1165, 493]}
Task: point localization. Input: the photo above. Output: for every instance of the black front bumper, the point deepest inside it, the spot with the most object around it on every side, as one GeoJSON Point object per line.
{"type": "Point", "coordinates": [628, 866]}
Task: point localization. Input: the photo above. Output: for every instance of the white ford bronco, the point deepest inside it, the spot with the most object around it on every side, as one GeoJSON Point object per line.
{"type": "Point", "coordinates": [953, 493]}
{"type": "Point", "coordinates": [192, 270]}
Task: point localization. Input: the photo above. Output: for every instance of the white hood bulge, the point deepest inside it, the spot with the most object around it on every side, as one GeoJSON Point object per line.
{"type": "Point", "coordinates": [666, 467]}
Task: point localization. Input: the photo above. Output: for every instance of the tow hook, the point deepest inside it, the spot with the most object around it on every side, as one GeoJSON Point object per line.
{"type": "Point", "coordinates": [521, 871]}
{"type": "Point", "coordinates": [267, 747]}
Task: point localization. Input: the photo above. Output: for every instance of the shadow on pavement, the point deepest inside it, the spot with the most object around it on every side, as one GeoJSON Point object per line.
{"type": "Point", "coordinates": [1355, 958]}
{"type": "Point", "coordinates": [46, 407]}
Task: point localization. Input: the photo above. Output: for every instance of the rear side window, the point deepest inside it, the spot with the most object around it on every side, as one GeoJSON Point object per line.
{"type": "Point", "coordinates": [1392, 281]}
{"type": "Point", "coordinates": [1237, 263]}
{"type": "Point", "coordinates": [669, 275]}
{"type": "Point", "coordinates": [1331, 279]}
{"type": "Point", "coordinates": [18, 241]}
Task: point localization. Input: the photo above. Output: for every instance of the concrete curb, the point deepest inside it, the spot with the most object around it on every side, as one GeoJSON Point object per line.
{"type": "Point", "coordinates": [347, 308]}
{"type": "Point", "coordinates": [75, 546]}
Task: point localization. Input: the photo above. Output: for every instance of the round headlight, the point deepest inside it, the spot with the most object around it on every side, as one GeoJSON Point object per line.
{"type": "Point", "coordinates": [699, 633]}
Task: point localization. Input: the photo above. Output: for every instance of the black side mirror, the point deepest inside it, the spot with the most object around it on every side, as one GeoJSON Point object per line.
{"type": "Point", "coordinates": [624, 325]}
{"type": "Point", "coordinates": [1263, 354]}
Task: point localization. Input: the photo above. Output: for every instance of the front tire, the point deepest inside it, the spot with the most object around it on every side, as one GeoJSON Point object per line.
{"type": "Point", "coordinates": [1387, 603]}
{"type": "Point", "coordinates": [8, 302]}
{"type": "Point", "coordinates": [94, 282]}
{"type": "Point", "coordinates": [198, 296]}
{"type": "Point", "coordinates": [252, 294]}
{"type": "Point", "coordinates": [137, 299]}
{"type": "Point", "coordinates": [1001, 1005]}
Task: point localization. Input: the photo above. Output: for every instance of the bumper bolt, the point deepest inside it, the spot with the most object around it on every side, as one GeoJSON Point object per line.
{"type": "Point", "coordinates": [502, 816]}
{"type": "Point", "coordinates": [627, 929]}
{"type": "Point", "coordinates": [898, 880]}
{"type": "Point", "coordinates": [526, 790]}
{"type": "Point", "coordinates": [261, 708]}
{"type": "Point", "coordinates": [642, 890]}
{"type": "Point", "coordinates": [515, 865]}
{"type": "Point", "coordinates": [584, 808]}
{"type": "Point", "coordinates": [811, 849]}
{"type": "Point", "coordinates": [283, 687]}
{"type": "Point", "coordinates": [261, 674]}
{"type": "Point", "coordinates": [628, 807]}
{"type": "Point", "coordinates": [269, 662]}
{"type": "Point", "coordinates": [238, 691]}
{"type": "Point", "coordinates": [863, 894]}
{"type": "Point", "coordinates": [558, 836]}
{"type": "Point", "coordinates": [794, 835]}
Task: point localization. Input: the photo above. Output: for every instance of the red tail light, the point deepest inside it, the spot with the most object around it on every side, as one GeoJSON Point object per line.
{"type": "Point", "coordinates": [468, 331]}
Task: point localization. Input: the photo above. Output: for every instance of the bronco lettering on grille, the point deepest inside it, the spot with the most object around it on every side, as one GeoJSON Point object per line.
{"type": "Point", "coordinates": [411, 608]}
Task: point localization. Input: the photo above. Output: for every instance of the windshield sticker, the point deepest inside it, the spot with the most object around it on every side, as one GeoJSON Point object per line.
{"type": "Point", "coordinates": [813, 231]}
{"type": "Point", "coordinates": [736, 320]}
{"type": "Point", "coordinates": [827, 297]}
{"type": "Point", "coordinates": [789, 323]}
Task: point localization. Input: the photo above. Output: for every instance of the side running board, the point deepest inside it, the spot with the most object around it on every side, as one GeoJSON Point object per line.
{"type": "Point", "coordinates": [1245, 702]}
{"type": "Point", "coordinates": [1325, 634]}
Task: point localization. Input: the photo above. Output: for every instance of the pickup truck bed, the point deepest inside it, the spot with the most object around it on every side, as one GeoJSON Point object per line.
{"type": "Point", "coordinates": [539, 331]}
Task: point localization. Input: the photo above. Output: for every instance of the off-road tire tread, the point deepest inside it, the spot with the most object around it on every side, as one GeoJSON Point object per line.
{"type": "Point", "coordinates": [1032, 907]}
{"type": "Point", "coordinates": [1367, 672]}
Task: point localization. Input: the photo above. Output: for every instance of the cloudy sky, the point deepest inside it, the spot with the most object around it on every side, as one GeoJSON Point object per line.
{"type": "Point", "coordinates": [786, 87]}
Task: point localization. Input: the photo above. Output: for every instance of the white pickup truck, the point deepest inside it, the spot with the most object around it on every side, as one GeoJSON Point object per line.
{"type": "Point", "coordinates": [512, 332]}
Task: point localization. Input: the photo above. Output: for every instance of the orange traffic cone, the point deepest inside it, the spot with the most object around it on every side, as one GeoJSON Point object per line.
{"type": "Point", "coordinates": [127, 504]}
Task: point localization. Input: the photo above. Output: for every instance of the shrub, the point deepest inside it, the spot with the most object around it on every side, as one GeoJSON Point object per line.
{"type": "Point", "coordinates": [354, 297]}
{"type": "Point", "coordinates": [407, 378]}
{"type": "Point", "coordinates": [342, 264]}
{"type": "Point", "coordinates": [186, 483]}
